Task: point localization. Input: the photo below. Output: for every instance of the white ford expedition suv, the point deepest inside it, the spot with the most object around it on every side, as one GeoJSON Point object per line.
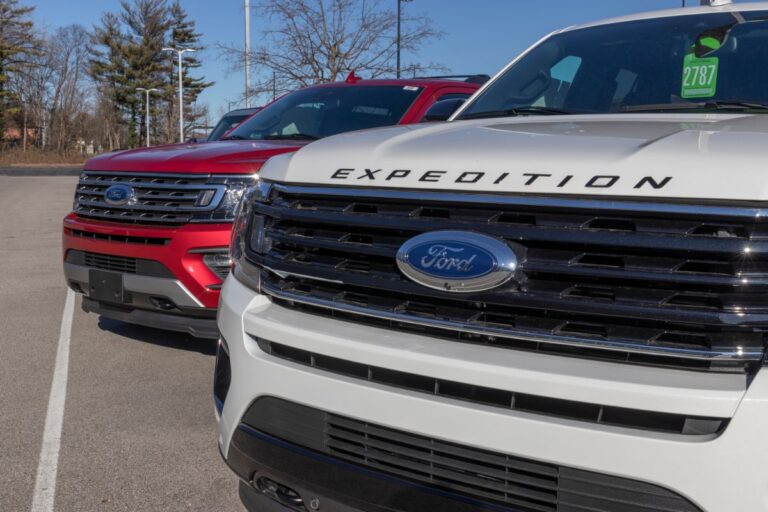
{"type": "Point", "coordinates": [554, 302]}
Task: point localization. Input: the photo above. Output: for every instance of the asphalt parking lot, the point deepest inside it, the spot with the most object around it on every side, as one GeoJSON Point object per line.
{"type": "Point", "coordinates": [138, 430]}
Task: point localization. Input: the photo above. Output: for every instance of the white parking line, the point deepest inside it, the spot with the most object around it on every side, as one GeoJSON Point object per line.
{"type": "Point", "coordinates": [48, 464]}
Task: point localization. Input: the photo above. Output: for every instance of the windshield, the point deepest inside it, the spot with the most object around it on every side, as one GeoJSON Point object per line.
{"type": "Point", "coordinates": [704, 61]}
{"type": "Point", "coordinates": [227, 123]}
{"type": "Point", "coordinates": [323, 111]}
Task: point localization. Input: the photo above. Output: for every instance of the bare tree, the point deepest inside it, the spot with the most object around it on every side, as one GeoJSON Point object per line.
{"type": "Point", "coordinates": [51, 92]}
{"type": "Point", "coordinates": [29, 88]}
{"type": "Point", "coordinates": [68, 53]}
{"type": "Point", "coordinates": [316, 41]}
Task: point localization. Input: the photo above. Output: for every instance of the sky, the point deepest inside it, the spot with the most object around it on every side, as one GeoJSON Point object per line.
{"type": "Point", "coordinates": [480, 36]}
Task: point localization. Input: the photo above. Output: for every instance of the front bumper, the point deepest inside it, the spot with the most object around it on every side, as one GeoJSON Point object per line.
{"type": "Point", "coordinates": [722, 473]}
{"type": "Point", "coordinates": [173, 288]}
{"type": "Point", "coordinates": [143, 300]}
{"type": "Point", "coordinates": [193, 325]}
{"type": "Point", "coordinates": [179, 249]}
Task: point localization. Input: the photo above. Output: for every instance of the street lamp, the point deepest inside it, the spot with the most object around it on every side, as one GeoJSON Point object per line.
{"type": "Point", "coordinates": [146, 107]}
{"type": "Point", "coordinates": [247, 53]}
{"type": "Point", "coordinates": [399, 17]}
{"type": "Point", "coordinates": [179, 53]}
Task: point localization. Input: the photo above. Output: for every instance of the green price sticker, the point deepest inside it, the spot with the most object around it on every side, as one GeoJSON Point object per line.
{"type": "Point", "coordinates": [699, 76]}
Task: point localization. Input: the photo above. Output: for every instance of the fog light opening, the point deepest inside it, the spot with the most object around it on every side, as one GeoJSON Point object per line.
{"type": "Point", "coordinates": [219, 262]}
{"type": "Point", "coordinates": [279, 493]}
{"type": "Point", "coordinates": [163, 303]}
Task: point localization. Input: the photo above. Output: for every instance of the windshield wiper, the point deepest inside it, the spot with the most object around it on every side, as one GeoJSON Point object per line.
{"type": "Point", "coordinates": [235, 137]}
{"type": "Point", "coordinates": [746, 105]}
{"type": "Point", "coordinates": [518, 111]}
{"type": "Point", "coordinates": [701, 105]}
{"type": "Point", "coordinates": [304, 136]}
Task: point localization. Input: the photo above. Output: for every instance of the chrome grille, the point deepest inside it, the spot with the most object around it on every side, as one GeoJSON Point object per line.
{"type": "Point", "coordinates": [670, 284]}
{"type": "Point", "coordinates": [158, 198]}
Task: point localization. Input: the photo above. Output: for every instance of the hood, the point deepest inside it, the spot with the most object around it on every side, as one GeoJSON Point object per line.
{"type": "Point", "coordinates": [688, 156]}
{"type": "Point", "coordinates": [219, 157]}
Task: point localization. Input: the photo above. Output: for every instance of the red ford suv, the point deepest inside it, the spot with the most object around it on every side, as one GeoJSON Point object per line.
{"type": "Point", "coordinates": [146, 241]}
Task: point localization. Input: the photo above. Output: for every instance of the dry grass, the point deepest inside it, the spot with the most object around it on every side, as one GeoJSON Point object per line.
{"type": "Point", "coordinates": [37, 158]}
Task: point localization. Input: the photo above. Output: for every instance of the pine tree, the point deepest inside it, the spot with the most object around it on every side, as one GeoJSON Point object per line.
{"type": "Point", "coordinates": [127, 54]}
{"type": "Point", "coordinates": [147, 21]}
{"type": "Point", "coordinates": [109, 69]}
{"type": "Point", "coordinates": [183, 35]}
{"type": "Point", "coordinates": [17, 45]}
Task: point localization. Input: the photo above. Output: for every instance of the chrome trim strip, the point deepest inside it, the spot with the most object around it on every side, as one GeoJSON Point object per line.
{"type": "Point", "coordinates": [171, 288]}
{"type": "Point", "coordinates": [147, 185]}
{"type": "Point", "coordinates": [623, 205]}
{"type": "Point", "coordinates": [570, 341]}
{"type": "Point", "coordinates": [217, 197]}
{"type": "Point", "coordinates": [193, 197]}
{"type": "Point", "coordinates": [210, 250]}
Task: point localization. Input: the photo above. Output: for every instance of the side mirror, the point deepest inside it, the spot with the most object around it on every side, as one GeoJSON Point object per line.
{"type": "Point", "coordinates": [442, 110]}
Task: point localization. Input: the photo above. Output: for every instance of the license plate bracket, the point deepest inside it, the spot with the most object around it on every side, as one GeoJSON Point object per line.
{"type": "Point", "coordinates": [105, 286]}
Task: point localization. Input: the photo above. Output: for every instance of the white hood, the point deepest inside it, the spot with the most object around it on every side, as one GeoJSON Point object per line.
{"type": "Point", "coordinates": [645, 155]}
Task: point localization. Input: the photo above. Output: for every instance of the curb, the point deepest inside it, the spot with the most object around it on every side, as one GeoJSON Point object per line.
{"type": "Point", "coordinates": [44, 171]}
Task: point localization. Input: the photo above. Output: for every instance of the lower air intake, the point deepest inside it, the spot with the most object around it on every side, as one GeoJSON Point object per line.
{"type": "Point", "coordinates": [498, 479]}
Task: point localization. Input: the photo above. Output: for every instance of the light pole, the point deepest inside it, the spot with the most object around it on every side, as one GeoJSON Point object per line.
{"type": "Point", "coordinates": [146, 107]}
{"type": "Point", "coordinates": [399, 18]}
{"type": "Point", "coordinates": [179, 53]}
{"type": "Point", "coordinates": [247, 53]}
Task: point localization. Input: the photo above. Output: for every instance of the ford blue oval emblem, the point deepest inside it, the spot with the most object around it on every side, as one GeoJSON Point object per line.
{"type": "Point", "coordinates": [118, 195]}
{"type": "Point", "coordinates": [458, 261]}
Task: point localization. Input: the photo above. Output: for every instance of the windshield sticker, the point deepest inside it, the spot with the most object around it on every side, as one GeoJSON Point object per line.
{"type": "Point", "coordinates": [699, 76]}
{"type": "Point", "coordinates": [700, 71]}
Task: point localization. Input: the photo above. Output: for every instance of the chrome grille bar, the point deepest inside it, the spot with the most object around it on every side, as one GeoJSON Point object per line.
{"type": "Point", "coordinates": [738, 354]}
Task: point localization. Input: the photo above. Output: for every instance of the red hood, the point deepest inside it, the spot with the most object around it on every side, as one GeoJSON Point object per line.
{"type": "Point", "coordinates": [219, 157]}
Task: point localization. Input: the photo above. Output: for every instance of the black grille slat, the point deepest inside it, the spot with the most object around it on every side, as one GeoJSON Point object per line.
{"type": "Point", "coordinates": [587, 492]}
{"type": "Point", "coordinates": [148, 207]}
{"type": "Point", "coordinates": [634, 275]}
{"type": "Point", "coordinates": [638, 419]}
{"type": "Point", "coordinates": [466, 478]}
{"type": "Point", "coordinates": [639, 267]}
{"type": "Point", "coordinates": [109, 237]}
{"type": "Point", "coordinates": [110, 262]}
{"type": "Point", "coordinates": [540, 234]}
{"type": "Point", "coordinates": [339, 440]}
{"type": "Point", "coordinates": [141, 217]}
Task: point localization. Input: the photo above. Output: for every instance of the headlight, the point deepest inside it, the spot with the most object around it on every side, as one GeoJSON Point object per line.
{"type": "Point", "coordinates": [248, 229]}
{"type": "Point", "coordinates": [234, 189]}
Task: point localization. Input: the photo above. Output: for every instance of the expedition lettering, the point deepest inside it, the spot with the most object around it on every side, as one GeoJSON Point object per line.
{"type": "Point", "coordinates": [473, 177]}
